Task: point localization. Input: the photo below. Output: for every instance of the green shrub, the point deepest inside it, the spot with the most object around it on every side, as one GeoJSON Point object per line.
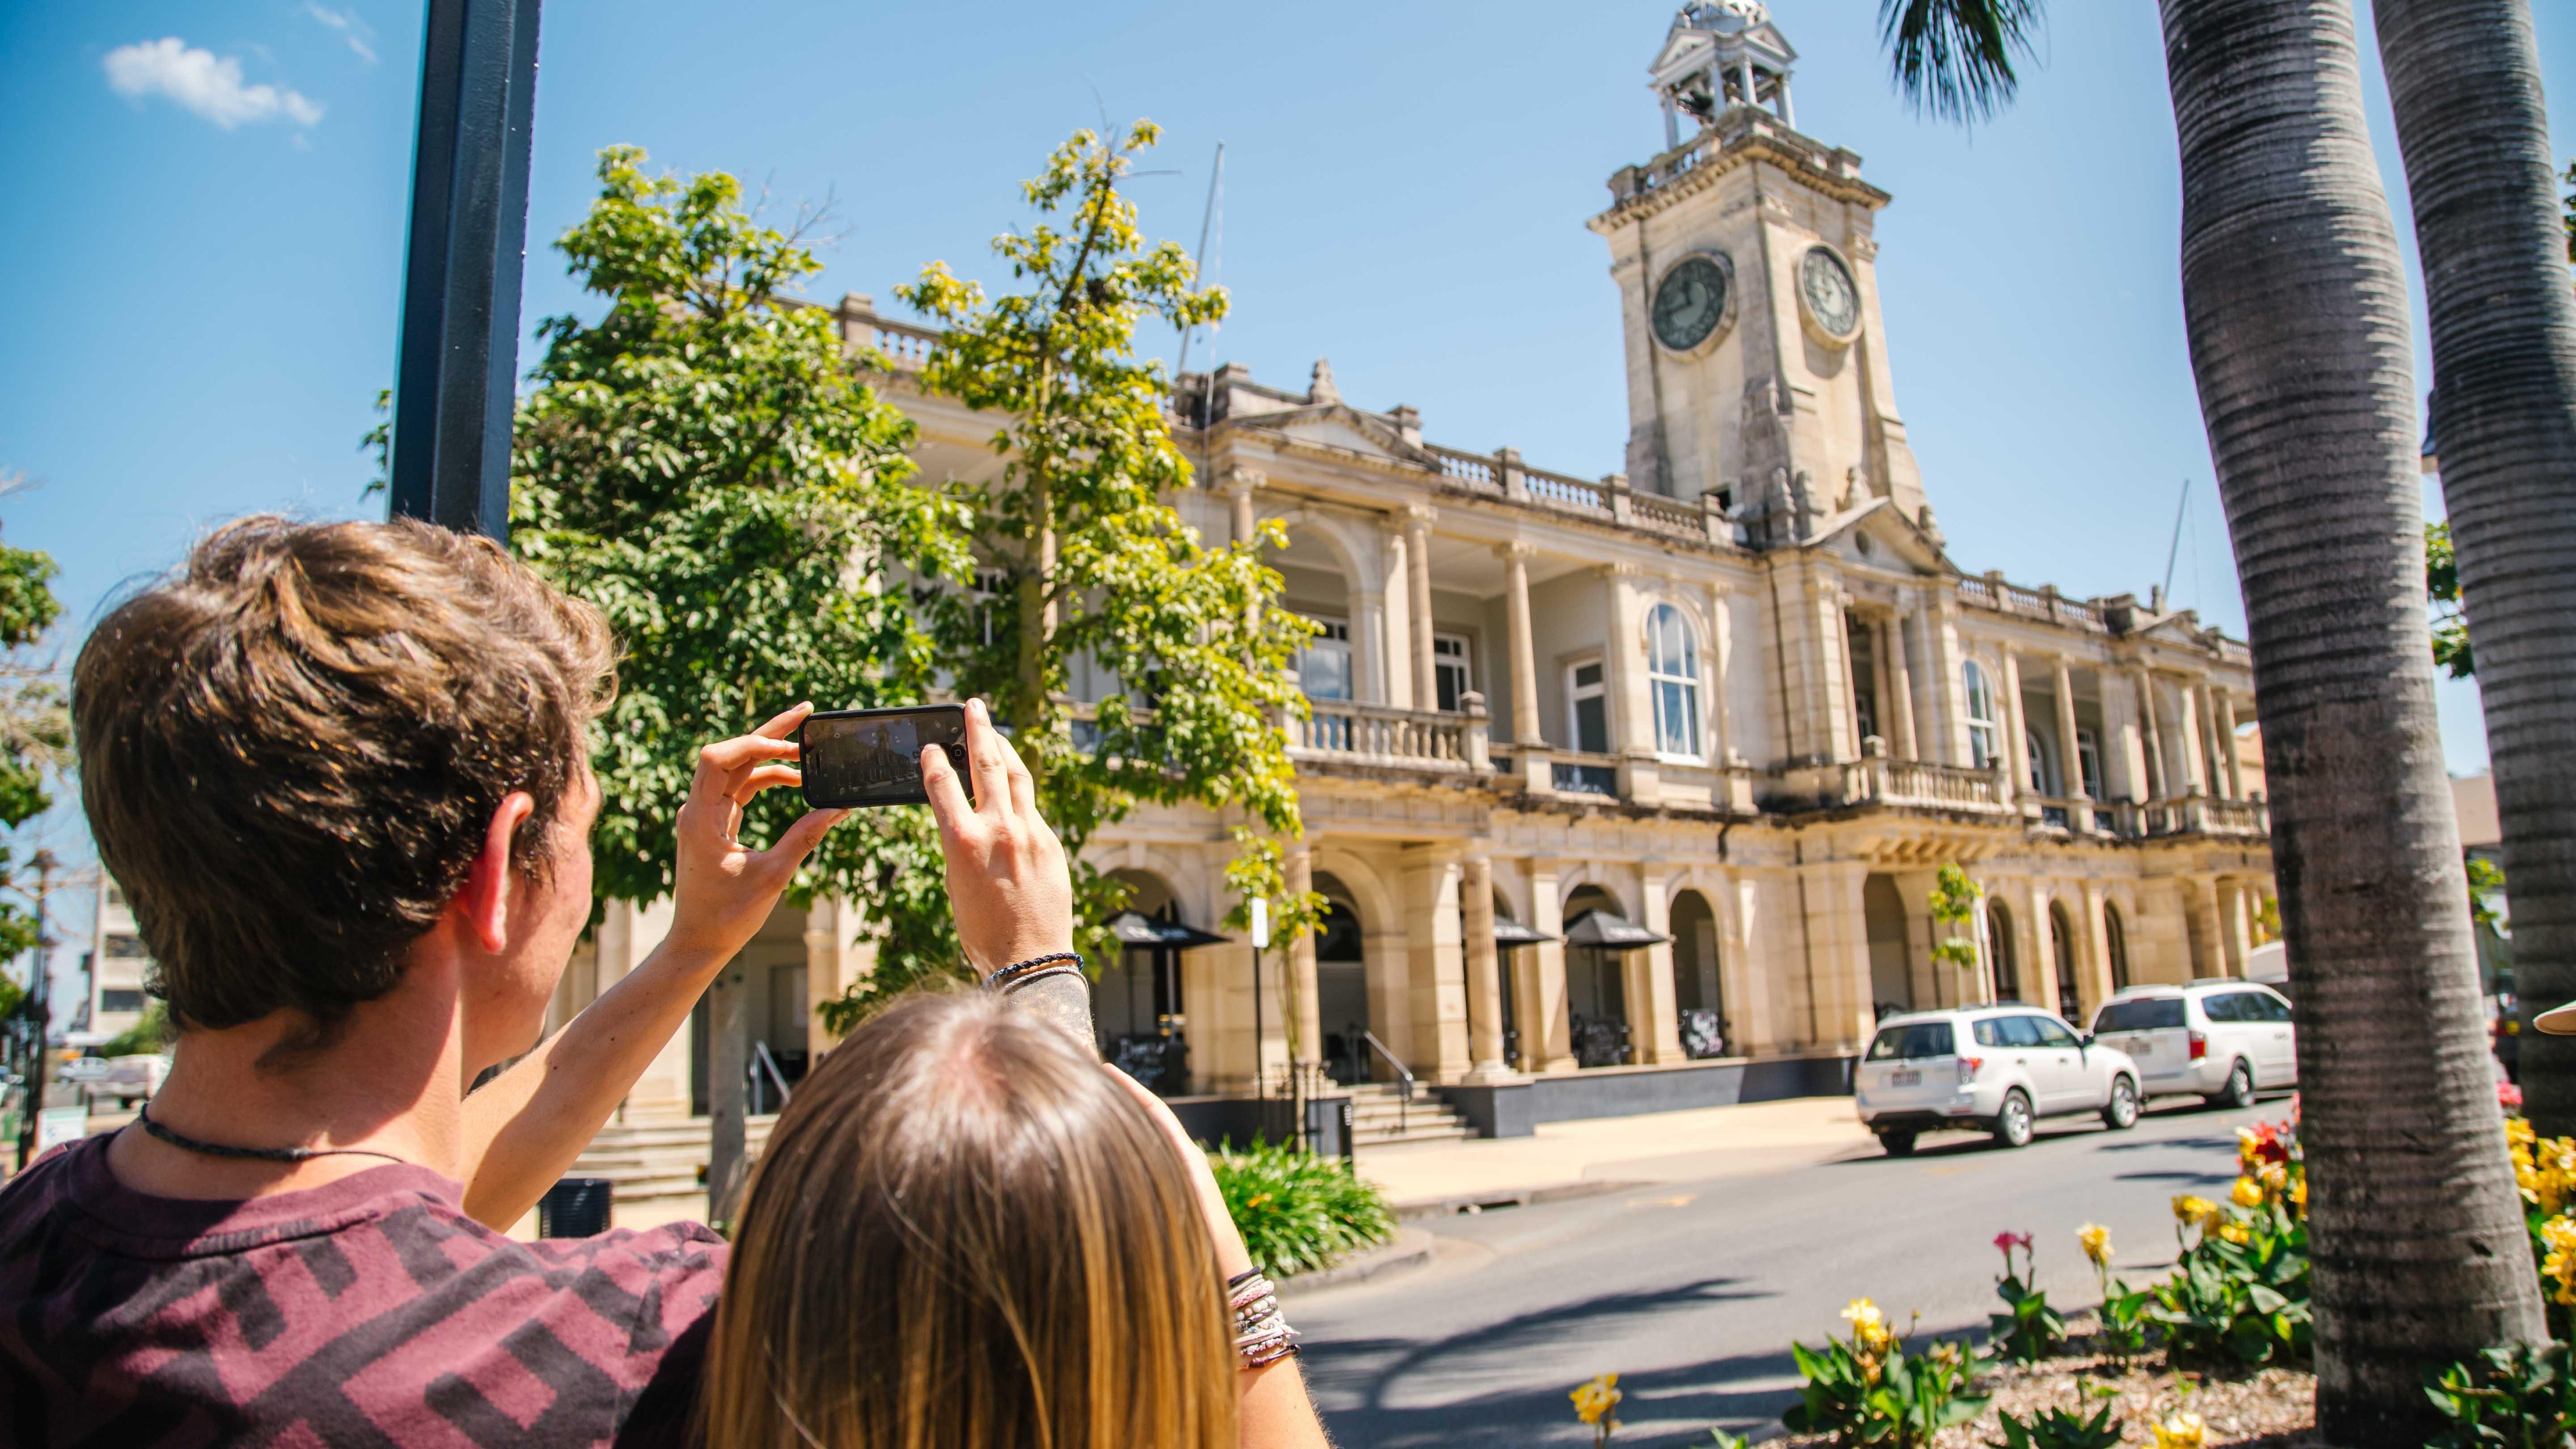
{"type": "Point", "coordinates": [2125, 1324]}
{"type": "Point", "coordinates": [148, 1035]}
{"type": "Point", "coordinates": [2511, 1398]}
{"type": "Point", "coordinates": [1867, 1390]}
{"type": "Point", "coordinates": [2241, 1290]}
{"type": "Point", "coordinates": [2061, 1429]}
{"type": "Point", "coordinates": [1298, 1212]}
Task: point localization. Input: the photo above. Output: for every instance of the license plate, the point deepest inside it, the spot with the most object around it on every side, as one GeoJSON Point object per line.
{"type": "Point", "coordinates": [1905, 1079]}
{"type": "Point", "coordinates": [2142, 1048]}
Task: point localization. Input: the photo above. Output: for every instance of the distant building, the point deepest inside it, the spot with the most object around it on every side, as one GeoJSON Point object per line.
{"type": "Point", "coordinates": [2482, 838]}
{"type": "Point", "coordinates": [118, 963]}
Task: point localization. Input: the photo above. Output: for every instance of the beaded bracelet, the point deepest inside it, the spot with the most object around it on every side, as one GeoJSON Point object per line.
{"type": "Point", "coordinates": [1018, 973]}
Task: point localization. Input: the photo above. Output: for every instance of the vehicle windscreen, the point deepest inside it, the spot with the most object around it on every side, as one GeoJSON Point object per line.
{"type": "Point", "coordinates": [2152, 1013]}
{"type": "Point", "coordinates": [1915, 1039]}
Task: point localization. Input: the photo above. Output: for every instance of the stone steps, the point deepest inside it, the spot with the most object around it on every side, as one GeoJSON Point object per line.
{"type": "Point", "coordinates": [1379, 1118]}
{"type": "Point", "coordinates": [659, 1159]}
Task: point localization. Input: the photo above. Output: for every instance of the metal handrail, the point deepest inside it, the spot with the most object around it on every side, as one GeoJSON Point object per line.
{"type": "Point", "coordinates": [1403, 1075]}
{"type": "Point", "coordinates": [762, 1061]}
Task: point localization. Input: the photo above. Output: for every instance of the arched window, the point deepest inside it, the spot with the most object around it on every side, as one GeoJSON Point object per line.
{"type": "Point", "coordinates": [2115, 942]}
{"type": "Point", "coordinates": [2043, 763]}
{"type": "Point", "coordinates": [1984, 734]}
{"type": "Point", "coordinates": [1999, 948]}
{"type": "Point", "coordinates": [2070, 991]}
{"type": "Point", "coordinates": [1672, 674]}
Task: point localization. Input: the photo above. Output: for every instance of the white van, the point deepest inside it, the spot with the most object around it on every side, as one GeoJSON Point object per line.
{"type": "Point", "coordinates": [2223, 1040]}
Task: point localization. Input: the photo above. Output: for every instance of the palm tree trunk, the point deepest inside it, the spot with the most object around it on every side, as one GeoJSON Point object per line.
{"type": "Point", "coordinates": [2464, 77]}
{"type": "Point", "coordinates": [2295, 296]}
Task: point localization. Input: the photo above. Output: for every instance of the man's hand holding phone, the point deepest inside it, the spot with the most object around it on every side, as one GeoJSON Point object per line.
{"type": "Point", "coordinates": [721, 892]}
{"type": "Point", "coordinates": [1008, 883]}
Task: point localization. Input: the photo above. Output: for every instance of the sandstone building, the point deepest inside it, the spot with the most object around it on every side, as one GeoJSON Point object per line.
{"type": "Point", "coordinates": [1628, 792]}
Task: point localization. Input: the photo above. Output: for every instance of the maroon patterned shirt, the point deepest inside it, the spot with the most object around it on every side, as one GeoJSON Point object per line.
{"type": "Point", "coordinates": [370, 1311]}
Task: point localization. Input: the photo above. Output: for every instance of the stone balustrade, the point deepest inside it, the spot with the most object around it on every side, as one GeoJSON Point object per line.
{"type": "Point", "coordinates": [1922, 784]}
{"type": "Point", "coordinates": [1344, 731]}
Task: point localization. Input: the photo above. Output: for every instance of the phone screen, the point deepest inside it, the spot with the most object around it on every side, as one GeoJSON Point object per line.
{"type": "Point", "coordinates": [865, 757]}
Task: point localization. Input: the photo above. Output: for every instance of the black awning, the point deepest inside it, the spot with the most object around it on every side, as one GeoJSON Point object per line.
{"type": "Point", "coordinates": [1610, 933]}
{"type": "Point", "coordinates": [1509, 933]}
{"type": "Point", "coordinates": [1132, 929]}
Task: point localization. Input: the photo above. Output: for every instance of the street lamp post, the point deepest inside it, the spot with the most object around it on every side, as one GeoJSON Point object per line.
{"type": "Point", "coordinates": [1260, 1034]}
{"type": "Point", "coordinates": [456, 377]}
{"type": "Point", "coordinates": [40, 1000]}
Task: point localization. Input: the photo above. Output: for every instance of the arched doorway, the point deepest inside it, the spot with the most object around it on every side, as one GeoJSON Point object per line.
{"type": "Point", "coordinates": [2115, 944]}
{"type": "Point", "coordinates": [1999, 950]}
{"type": "Point", "coordinates": [1596, 987]}
{"type": "Point", "coordinates": [2070, 991]}
{"type": "Point", "coordinates": [1891, 964]}
{"type": "Point", "coordinates": [1698, 991]}
{"type": "Point", "coordinates": [1341, 984]}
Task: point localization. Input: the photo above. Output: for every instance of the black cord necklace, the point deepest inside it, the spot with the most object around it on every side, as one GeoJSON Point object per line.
{"type": "Point", "coordinates": [256, 1154]}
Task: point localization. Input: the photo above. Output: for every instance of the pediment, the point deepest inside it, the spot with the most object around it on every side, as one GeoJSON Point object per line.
{"type": "Point", "coordinates": [1333, 425]}
{"type": "Point", "coordinates": [1875, 533]}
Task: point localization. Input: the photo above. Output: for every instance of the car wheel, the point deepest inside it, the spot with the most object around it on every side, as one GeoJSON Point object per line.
{"type": "Point", "coordinates": [1898, 1144]}
{"type": "Point", "coordinates": [2013, 1124]}
{"type": "Point", "coordinates": [2122, 1112]}
{"type": "Point", "coordinates": [2239, 1091]}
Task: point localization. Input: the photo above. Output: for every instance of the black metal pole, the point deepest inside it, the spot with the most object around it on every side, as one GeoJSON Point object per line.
{"type": "Point", "coordinates": [458, 366]}
{"type": "Point", "coordinates": [1260, 1072]}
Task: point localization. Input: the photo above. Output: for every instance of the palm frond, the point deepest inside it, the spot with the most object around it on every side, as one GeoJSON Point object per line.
{"type": "Point", "coordinates": [1954, 58]}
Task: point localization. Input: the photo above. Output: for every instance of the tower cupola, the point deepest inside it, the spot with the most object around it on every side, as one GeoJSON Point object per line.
{"type": "Point", "coordinates": [1721, 54]}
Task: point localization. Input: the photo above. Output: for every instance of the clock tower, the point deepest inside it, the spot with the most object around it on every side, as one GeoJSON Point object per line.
{"type": "Point", "coordinates": [1757, 364]}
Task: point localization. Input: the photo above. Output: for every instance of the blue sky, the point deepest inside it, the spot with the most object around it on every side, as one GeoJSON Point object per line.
{"type": "Point", "coordinates": [209, 246]}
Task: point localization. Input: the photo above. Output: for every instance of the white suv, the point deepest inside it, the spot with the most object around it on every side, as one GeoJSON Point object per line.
{"type": "Point", "coordinates": [2000, 1068]}
{"type": "Point", "coordinates": [2224, 1040]}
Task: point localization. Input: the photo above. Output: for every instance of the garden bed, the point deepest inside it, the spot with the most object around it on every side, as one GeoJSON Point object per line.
{"type": "Point", "coordinates": [2272, 1407]}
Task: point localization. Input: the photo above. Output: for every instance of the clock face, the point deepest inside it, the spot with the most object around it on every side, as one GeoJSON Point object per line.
{"type": "Point", "coordinates": [1831, 298]}
{"type": "Point", "coordinates": [1690, 303]}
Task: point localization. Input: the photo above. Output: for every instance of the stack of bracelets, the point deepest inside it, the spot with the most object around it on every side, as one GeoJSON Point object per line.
{"type": "Point", "coordinates": [1036, 968]}
{"type": "Point", "coordinates": [1261, 1336]}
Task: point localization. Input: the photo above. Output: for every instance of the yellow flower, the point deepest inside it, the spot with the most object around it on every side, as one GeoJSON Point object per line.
{"type": "Point", "coordinates": [2299, 1194]}
{"type": "Point", "coordinates": [2275, 1177]}
{"type": "Point", "coordinates": [2180, 1431]}
{"type": "Point", "coordinates": [2518, 1134]}
{"type": "Point", "coordinates": [2096, 1240]}
{"type": "Point", "coordinates": [1869, 1328]}
{"type": "Point", "coordinates": [2236, 1233]}
{"type": "Point", "coordinates": [2248, 1193]}
{"type": "Point", "coordinates": [2189, 1210]}
{"type": "Point", "coordinates": [1594, 1397]}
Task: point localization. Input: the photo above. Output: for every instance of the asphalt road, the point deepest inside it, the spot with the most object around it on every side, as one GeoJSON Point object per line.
{"type": "Point", "coordinates": [1693, 1291]}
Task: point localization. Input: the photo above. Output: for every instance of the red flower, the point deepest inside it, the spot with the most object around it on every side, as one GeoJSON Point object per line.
{"type": "Point", "coordinates": [2509, 1096]}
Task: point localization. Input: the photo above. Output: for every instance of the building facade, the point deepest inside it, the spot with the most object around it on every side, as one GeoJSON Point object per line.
{"type": "Point", "coordinates": [1635, 787]}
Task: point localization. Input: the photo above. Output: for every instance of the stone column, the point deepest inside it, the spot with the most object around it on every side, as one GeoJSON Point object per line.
{"type": "Point", "coordinates": [1436, 1045]}
{"type": "Point", "coordinates": [1516, 609]}
{"type": "Point", "coordinates": [2195, 775]}
{"type": "Point", "coordinates": [2070, 760]}
{"type": "Point", "coordinates": [1721, 659]}
{"type": "Point", "coordinates": [838, 955]}
{"type": "Point", "coordinates": [1301, 1006]}
{"type": "Point", "coordinates": [2200, 923]}
{"type": "Point", "coordinates": [1417, 564]}
{"type": "Point", "coordinates": [2158, 786]}
{"type": "Point", "coordinates": [2234, 768]}
{"type": "Point", "coordinates": [1744, 973]}
{"type": "Point", "coordinates": [1949, 704]}
{"type": "Point", "coordinates": [1240, 484]}
{"type": "Point", "coordinates": [1837, 931]}
{"type": "Point", "coordinates": [2017, 734]}
{"type": "Point", "coordinates": [1840, 641]}
{"type": "Point", "coordinates": [1654, 1018]}
{"type": "Point", "coordinates": [1900, 690]}
{"type": "Point", "coordinates": [1484, 976]}
{"type": "Point", "coordinates": [1388, 611]}
{"type": "Point", "coordinates": [628, 934]}
{"type": "Point", "coordinates": [1632, 724]}
{"type": "Point", "coordinates": [1547, 1031]}
{"type": "Point", "coordinates": [2094, 962]}
{"type": "Point", "coordinates": [2234, 940]}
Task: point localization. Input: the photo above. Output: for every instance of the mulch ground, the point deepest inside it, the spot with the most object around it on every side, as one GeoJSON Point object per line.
{"type": "Point", "coordinates": [2270, 1408]}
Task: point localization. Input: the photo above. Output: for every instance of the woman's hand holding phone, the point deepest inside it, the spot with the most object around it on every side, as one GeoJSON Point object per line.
{"type": "Point", "coordinates": [1008, 883]}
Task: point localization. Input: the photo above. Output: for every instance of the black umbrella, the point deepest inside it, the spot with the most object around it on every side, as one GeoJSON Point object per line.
{"type": "Point", "coordinates": [1134, 930]}
{"type": "Point", "coordinates": [1509, 933]}
{"type": "Point", "coordinates": [1610, 933]}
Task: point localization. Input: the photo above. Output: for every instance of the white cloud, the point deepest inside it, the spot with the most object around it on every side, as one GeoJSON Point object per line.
{"type": "Point", "coordinates": [203, 82]}
{"type": "Point", "coordinates": [358, 33]}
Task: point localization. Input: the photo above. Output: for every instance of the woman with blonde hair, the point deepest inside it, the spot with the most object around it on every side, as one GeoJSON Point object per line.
{"type": "Point", "coordinates": [967, 1233]}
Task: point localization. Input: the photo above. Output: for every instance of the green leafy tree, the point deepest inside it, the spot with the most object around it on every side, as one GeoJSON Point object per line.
{"type": "Point", "coordinates": [1954, 905]}
{"type": "Point", "coordinates": [1081, 555]}
{"type": "Point", "coordinates": [35, 725]}
{"type": "Point", "coordinates": [2442, 583]}
{"type": "Point", "coordinates": [2486, 882]}
{"type": "Point", "coordinates": [702, 463]}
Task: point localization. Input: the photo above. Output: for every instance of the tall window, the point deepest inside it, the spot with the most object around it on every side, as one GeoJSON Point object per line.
{"type": "Point", "coordinates": [1587, 707]}
{"type": "Point", "coordinates": [1672, 676]}
{"type": "Point", "coordinates": [2043, 763]}
{"type": "Point", "coordinates": [1999, 949]}
{"type": "Point", "coordinates": [1451, 678]}
{"type": "Point", "coordinates": [1985, 736]}
{"type": "Point", "coordinates": [2088, 758]}
{"type": "Point", "coordinates": [1324, 665]}
{"type": "Point", "coordinates": [2115, 944]}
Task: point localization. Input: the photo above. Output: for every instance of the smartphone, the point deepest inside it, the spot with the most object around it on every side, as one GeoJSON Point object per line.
{"type": "Point", "coordinates": [856, 758]}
